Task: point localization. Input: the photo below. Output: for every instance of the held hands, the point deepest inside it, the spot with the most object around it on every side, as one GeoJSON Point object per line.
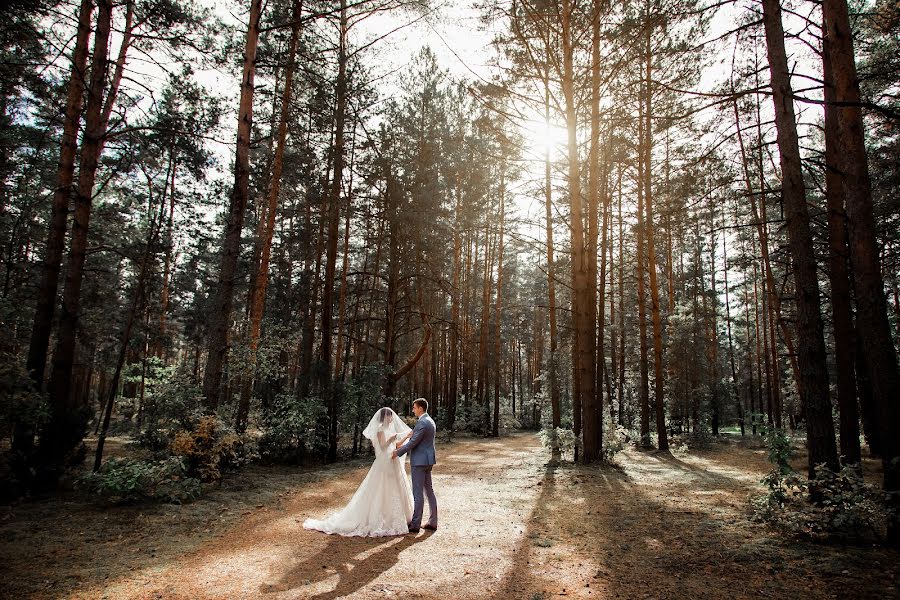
{"type": "Point", "coordinates": [400, 443]}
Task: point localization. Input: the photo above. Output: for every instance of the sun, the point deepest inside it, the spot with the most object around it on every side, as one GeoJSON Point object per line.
{"type": "Point", "coordinates": [542, 139]}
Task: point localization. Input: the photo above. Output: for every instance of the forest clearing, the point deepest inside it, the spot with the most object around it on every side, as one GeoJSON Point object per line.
{"type": "Point", "coordinates": [638, 259]}
{"type": "Point", "coordinates": [512, 526]}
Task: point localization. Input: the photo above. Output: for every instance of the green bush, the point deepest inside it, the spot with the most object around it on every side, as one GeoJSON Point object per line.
{"type": "Point", "coordinates": [289, 432]}
{"type": "Point", "coordinates": [127, 481]}
{"type": "Point", "coordinates": [564, 438]}
{"type": "Point", "coordinates": [19, 403]}
{"type": "Point", "coordinates": [172, 403]}
{"type": "Point", "coordinates": [847, 509]}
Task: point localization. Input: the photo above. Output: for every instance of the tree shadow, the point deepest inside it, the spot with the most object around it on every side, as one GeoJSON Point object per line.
{"type": "Point", "coordinates": [356, 562]}
{"type": "Point", "coordinates": [520, 579]}
{"type": "Point", "coordinates": [703, 476]}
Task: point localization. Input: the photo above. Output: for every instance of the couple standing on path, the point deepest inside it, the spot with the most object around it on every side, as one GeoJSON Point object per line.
{"type": "Point", "coordinates": [384, 504]}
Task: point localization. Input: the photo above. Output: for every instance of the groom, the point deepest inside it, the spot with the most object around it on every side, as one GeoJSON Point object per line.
{"type": "Point", "coordinates": [421, 458]}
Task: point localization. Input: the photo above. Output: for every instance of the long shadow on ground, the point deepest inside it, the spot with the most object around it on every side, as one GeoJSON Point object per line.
{"type": "Point", "coordinates": [354, 561]}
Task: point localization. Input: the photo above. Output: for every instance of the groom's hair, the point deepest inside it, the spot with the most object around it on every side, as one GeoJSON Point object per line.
{"type": "Point", "coordinates": [421, 403]}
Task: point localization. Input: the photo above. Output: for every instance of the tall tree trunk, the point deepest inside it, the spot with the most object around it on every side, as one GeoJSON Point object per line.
{"type": "Point", "coordinates": [552, 364]}
{"type": "Point", "coordinates": [734, 380]}
{"type": "Point", "coordinates": [334, 199]}
{"type": "Point", "coordinates": [592, 394]}
{"type": "Point", "coordinates": [261, 281]}
{"type": "Point", "coordinates": [136, 302]}
{"type": "Point", "coordinates": [713, 332]}
{"type": "Point", "coordinates": [220, 315]}
{"type": "Point", "coordinates": [159, 350]}
{"type": "Point", "coordinates": [65, 429]}
{"type": "Point", "coordinates": [644, 386]}
{"type": "Point", "coordinates": [658, 385]}
{"type": "Point", "coordinates": [481, 393]}
{"type": "Point", "coordinates": [838, 272]}
{"type": "Point", "coordinates": [811, 343]}
{"type": "Point", "coordinates": [23, 438]}
{"type": "Point", "coordinates": [621, 390]}
{"type": "Point", "coordinates": [871, 304]}
{"type": "Point", "coordinates": [498, 307]}
{"type": "Point", "coordinates": [453, 378]}
{"type": "Point", "coordinates": [345, 265]}
{"type": "Point", "coordinates": [584, 315]}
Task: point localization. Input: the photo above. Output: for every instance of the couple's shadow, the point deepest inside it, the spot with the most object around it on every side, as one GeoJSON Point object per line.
{"type": "Point", "coordinates": [355, 561]}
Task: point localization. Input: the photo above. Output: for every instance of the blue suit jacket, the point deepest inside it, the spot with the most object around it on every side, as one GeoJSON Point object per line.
{"type": "Point", "coordinates": [421, 445]}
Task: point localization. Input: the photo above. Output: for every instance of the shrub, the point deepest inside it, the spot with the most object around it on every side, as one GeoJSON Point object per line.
{"type": "Point", "coordinates": [847, 507]}
{"type": "Point", "coordinates": [614, 439]}
{"type": "Point", "coordinates": [782, 481]}
{"type": "Point", "coordinates": [209, 448]}
{"type": "Point", "coordinates": [126, 481]}
{"type": "Point", "coordinates": [289, 429]}
{"type": "Point", "coordinates": [172, 403]}
{"type": "Point", "coordinates": [19, 403]}
{"type": "Point", "coordinates": [565, 438]}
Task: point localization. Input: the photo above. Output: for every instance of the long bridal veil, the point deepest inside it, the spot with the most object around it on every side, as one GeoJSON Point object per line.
{"type": "Point", "coordinates": [382, 504]}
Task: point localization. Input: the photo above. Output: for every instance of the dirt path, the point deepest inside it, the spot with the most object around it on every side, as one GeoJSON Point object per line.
{"type": "Point", "coordinates": [511, 527]}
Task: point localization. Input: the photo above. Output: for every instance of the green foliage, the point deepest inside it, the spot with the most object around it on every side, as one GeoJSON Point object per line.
{"type": "Point", "coordinates": [362, 394]}
{"type": "Point", "coordinates": [471, 418]}
{"type": "Point", "coordinates": [19, 403]}
{"type": "Point", "coordinates": [289, 428]}
{"type": "Point", "coordinates": [172, 403]}
{"type": "Point", "coordinates": [126, 481]}
{"type": "Point", "coordinates": [564, 439]}
{"type": "Point", "coordinates": [847, 507]}
{"type": "Point", "coordinates": [614, 438]}
{"type": "Point", "coordinates": [780, 450]}
{"type": "Point", "coordinates": [782, 482]}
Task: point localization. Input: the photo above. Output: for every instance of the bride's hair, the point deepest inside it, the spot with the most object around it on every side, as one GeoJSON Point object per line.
{"type": "Point", "coordinates": [384, 415]}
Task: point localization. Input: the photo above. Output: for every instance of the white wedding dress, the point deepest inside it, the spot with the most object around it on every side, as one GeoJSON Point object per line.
{"type": "Point", "coordinates": [382, 505]}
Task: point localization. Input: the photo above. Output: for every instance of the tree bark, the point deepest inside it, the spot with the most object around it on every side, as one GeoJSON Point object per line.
{"type": "Point", "coordinates": [334, 199]}
{"type": "Point", "coordinates": [23, 438]}
{"type": "Point", "coordinates": [220, 314]}
{"type": "Point", "coordinates": [261, 281]}
{"type": "Point", "coordinates": [498, 307]}
{"type": "Point", "coordinates": [871, 304]}
{"type": "Point", "coordinates": [552, 363]}
{"type": "Point", "coordinates": [584, 315]}
{"type": "Point", "coordinates": [838, 272]}
{"type": "Point", "coordinates": [644, 386]}
{"type": "Point", "coordinates": [65, 429]}
{"type": "Point", "coordinates": [592, 396]}
{"type": "Point", "coordinates": [658, 384]}
{"type": "Point", "coordinates": [811, 343]}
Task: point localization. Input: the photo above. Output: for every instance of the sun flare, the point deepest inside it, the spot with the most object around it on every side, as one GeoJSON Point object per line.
{"type": "Point", "coordinates": [541, 139]}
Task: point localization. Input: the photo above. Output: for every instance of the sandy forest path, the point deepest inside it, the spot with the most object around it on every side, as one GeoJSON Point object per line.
{"type": "Point", "coordinates": [511, 527]}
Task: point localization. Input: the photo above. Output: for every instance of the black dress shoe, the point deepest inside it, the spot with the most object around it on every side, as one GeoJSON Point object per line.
{"type": "Point", "coordinates": [430, 526]}
{"type": "Point", "coordinates": [414, 530]}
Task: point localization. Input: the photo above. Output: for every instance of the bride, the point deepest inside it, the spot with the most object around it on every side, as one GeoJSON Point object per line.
{"type": "Point", "coordinates": [382, 505]}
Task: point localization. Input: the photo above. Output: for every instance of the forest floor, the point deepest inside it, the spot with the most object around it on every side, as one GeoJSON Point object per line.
{"type": "Point", "coordinates": [511, 526]}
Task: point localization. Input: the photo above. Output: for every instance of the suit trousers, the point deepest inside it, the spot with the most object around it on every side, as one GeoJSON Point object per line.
{"type": "Point", "coordinates": [421, 482]}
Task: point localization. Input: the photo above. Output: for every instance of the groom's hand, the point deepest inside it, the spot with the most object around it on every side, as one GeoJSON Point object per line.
{"type": "Point", "coordinates": [393, 455]}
